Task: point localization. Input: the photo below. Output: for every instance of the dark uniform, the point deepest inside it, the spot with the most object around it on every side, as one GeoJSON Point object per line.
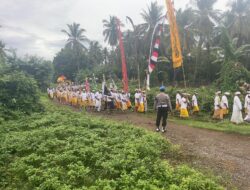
{"type": "Point", "coordinates": [163, 105]}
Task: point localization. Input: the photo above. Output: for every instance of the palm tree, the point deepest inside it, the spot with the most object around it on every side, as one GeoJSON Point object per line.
{"type": "Point", "coordinates": [132, 40]}
{"type": "Point", "coordinates": [151, 16]}
{"type": "Point", "coordinates": [76, 37]}
{"type": "Point", "coordinates": [237, 19]}
{"type": "Point", "coordinates": [76, 40]}
{"type": "Point", "coordinates": [110, 31]}
{"type": "Point", "coordinates": [204, 23]}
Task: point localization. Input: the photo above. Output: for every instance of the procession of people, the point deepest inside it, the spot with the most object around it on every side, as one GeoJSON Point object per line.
{"type": "Point", "coordinates": [80, 96]}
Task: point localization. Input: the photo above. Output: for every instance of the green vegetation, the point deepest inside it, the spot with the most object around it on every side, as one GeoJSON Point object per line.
{"type": "Point", "coordinates": [224, 126]}
{"type": "Point", "coordinates": [62, 149]}
{"type": "Point", "coordinates": [19, 94]}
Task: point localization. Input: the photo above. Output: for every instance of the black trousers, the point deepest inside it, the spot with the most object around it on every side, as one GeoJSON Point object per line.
{"type": "Point", "coordinates": [162, 113]}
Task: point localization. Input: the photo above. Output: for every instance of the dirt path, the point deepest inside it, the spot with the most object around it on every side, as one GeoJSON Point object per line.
{"type": "Point", "coordinates": [227, 155]}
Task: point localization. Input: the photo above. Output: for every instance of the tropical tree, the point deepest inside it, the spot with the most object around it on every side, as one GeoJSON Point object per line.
{"type": "Point", "coordinates": [228, 54]}
{"type": "Point", "coordinates": [76, 40]}
{"type": "Point", "coordinates": [132, 40]}
{"type": "Point", "coordinates": [110, 31]}
{"type": "Point", "coordinates": [95, 53]}
{"type": "Point", "coordinates": [204, 23]}
{"type": "Point", "coordinates": [238, 20]}
{"type": "Point", "coordinates": [76, 37]}
{"type": "Point", "coordinates": [151, 16]}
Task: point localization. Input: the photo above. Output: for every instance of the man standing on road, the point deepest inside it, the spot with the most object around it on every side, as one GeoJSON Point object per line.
{"type": "Point", "coordinates": [163, 105]}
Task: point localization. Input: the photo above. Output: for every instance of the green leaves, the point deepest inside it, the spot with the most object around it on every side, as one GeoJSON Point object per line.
{"type": "Point", "coordinates": [61, 149]}
{"type": "Point", "coordinates": [18, 93]}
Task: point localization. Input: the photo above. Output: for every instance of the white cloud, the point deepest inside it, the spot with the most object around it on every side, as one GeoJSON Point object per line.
{"type": "Point", "coordinates": [34, 26]}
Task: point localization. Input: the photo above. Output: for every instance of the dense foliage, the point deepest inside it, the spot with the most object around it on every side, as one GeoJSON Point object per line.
{"type": "Point", "coordinates": [206, 34]}
{"type": "Point", "coordinates": [19, 94]}
{"type": "Point", "coordinates": [60, 149]}
{"type": "Point", "coordinates": [41, 70]}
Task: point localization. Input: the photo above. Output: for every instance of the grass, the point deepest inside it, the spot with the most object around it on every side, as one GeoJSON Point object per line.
{"type": "Point", "coordinates": [223, 126]}
{"type": "Point", "coordinates": [205, 122]}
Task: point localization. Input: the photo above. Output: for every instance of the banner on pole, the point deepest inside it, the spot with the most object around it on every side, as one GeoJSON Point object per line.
{"type": "Point", "coordinates": [124, 66]}
{"type": "Point", "coordinates": [175, 41]}
{"type": "Point", "coordinates": [154, 54]}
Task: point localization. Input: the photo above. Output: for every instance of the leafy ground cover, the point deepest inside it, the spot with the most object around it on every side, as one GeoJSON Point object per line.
{"type": "Point", "coordinates": [62, 149]}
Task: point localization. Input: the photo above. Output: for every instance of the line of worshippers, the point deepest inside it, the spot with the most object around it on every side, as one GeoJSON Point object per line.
{"type": "Point", "coordinates": [183, 104]}
{"type": "Point", "coordinates": [221, 107]}
{"type": "Point", "coordinates": [111, 99]}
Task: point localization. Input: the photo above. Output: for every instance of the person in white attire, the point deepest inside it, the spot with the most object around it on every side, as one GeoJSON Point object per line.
{"type": "Point", "coordinates": [98, 101]}
{"type": "Point", "coordinates": [224, 104]}
{"type": "Point", "coordinates": [245, 103]}
{"type": "Point", "coordinates": [195, 105]}
{"type": "Point", "coordinates": [217, 108]}
{"type": "Point", "coordinates": [247, 107]}
{"type": "Point", "coordinates": [237, 110]}
{"type": "Point", "coordinates": [137, 99]}
{"type": "Point", "coordinates": [178, 101]}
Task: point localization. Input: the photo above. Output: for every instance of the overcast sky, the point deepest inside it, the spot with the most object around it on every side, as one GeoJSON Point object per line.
{"type": "Point", "coordinates": [34, 26]}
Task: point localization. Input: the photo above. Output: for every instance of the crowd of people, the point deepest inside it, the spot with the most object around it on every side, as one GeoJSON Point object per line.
{"type": "Point", "coordinates": [221, 107]}
{"type": "Point", "coordinates": [183, 104]}
{"type": "Point", "coordinates": [97, 100]}
{"type": "Point", "coordinates": [112, 99]}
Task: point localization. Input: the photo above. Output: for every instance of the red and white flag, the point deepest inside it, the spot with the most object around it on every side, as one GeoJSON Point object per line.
{"type": "Point", "coordinates": [156, 45]}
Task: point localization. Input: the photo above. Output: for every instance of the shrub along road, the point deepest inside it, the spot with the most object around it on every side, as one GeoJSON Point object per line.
{"type": "Point", "coordinates": [227, 155]}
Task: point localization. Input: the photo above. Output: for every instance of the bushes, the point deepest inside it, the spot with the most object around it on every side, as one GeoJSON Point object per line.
{"type": "Point", "coordinates": [42, 71]}
{"type": "Point", "coordinates": [231, 73]}
{"type": "Point", "coordinates": [61, 149]}
{"type": "Point", "coordinates": [19, 94]}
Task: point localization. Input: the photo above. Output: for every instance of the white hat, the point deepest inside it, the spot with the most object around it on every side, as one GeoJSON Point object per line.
{"type": "Point", "coordinates": [227, 93]}
{"type": "Point", "coordinates": [218, 92]}
{"type": "Point", "coordinates": [248, 92]}
{"type": "Point", "coordinates": [237, 93]}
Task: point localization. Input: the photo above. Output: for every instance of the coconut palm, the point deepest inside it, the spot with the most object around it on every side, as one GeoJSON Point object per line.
{"type": "Point", "coordinates": [206, 19]}
{"type": "Point", "coordinates": [151, 16]}
{"type": "Point", "coordinates": [238, 20]}
{"type": "Point", "coordinates": [75, 42]}
{"type": "Point", "coordinates": [76, 37]}
{"type": "Point", "coordinates": [110, 31]}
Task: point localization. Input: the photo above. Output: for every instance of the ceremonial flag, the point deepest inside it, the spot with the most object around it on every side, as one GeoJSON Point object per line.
{"type": "Point", "coordinates": [156, 45]}
{"type": "Point", "coordinates": [175, 41]}
{"type": "Point", "coordinates": [124, 66]}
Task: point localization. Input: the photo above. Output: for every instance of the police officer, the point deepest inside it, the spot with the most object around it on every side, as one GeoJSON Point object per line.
{"type": "Point", "coordinates": [163, 105]}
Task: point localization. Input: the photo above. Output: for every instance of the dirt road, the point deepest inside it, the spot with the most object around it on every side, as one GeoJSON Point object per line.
{"type": "Point", "coordinates": [228, 155]}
